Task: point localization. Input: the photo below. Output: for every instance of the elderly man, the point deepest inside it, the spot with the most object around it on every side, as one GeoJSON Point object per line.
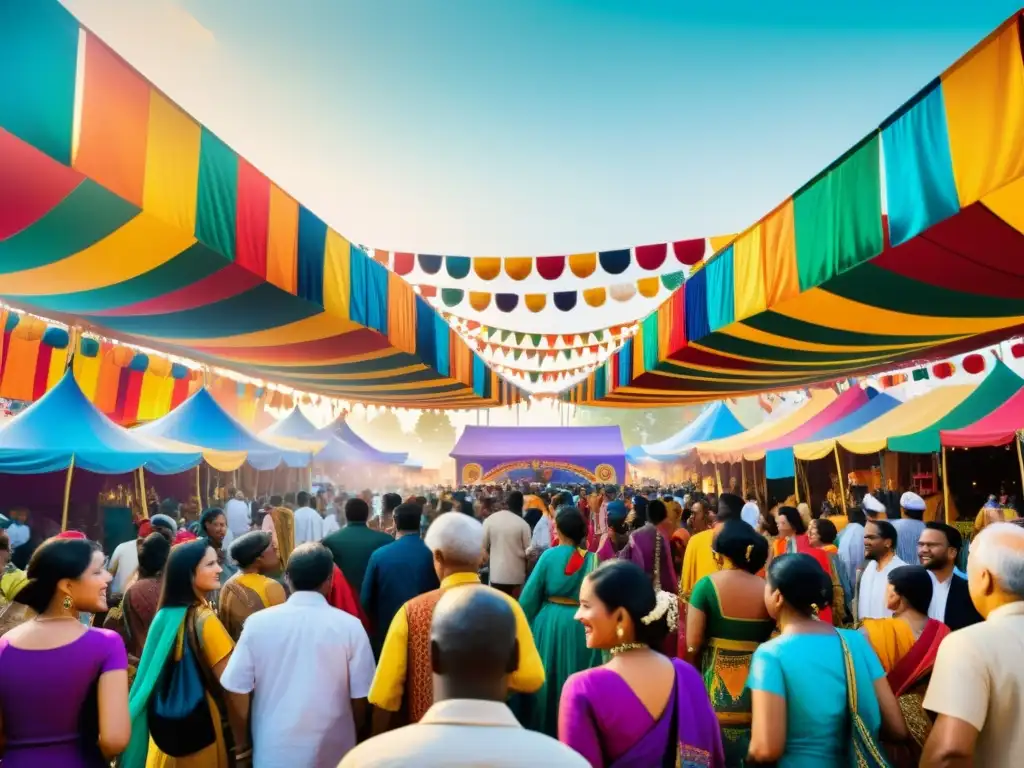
{"type": "Point", "coordinates": [472, 654]}
{"type": "Point", "coordinates": [977, 684]}
{"type": "Point", "coordinates": [909, 526]}
{"type": "Point", "coordinates": [404, 680]}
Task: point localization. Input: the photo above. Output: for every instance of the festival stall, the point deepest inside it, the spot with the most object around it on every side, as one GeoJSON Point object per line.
{"type": "Point", "coordinates": [716, 421]}
{"type": "Point", "coordinates": [541, 454]}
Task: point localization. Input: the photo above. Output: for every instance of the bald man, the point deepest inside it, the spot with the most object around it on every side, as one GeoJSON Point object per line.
{"type": "Point", "coordinates": [473, 652]}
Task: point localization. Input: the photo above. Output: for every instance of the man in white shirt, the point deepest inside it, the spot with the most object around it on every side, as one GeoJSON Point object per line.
{"type": "Point", "coordinates": [506, 539]}
{"type": "Point", "coordinates": [750, 514]}
{"type": "Point", "coordinates": [880, 542]}
{"type": "Point", "coordinates": [937, 549]}
{"type": "Point", "coordinates": [309, 526]}
{"type": "Point", "coordinates": [238, 514]}
{"type": "Point", "coordinates": [308, 667]}
{"type": "Point", "coordinates": [909, 526]}
{"type": "Point", "coordinates": [124, 560]}
{"type": "Point", "coordinates": [977, 683]}
{"type": "Point", "coordinates": [473, 651]}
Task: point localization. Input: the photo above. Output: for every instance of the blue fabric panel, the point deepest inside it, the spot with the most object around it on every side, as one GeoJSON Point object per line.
{"type": "Point", "coordinates": [481, 373]}
{"type": "Point", "coordinates": [779, 464]}
{"type": "Point", "coordinates": [426, 339]}
{"type": "Point", "coordinates": [721, 294]}
{"type": "Point", "coordinates": [442, 342]}
{"type": "Point", "coordinates": [696, 306]}
{"type": "Point", "coordinates": [625, 364]}
{"type": "Point", "coordinates": [312, 243]}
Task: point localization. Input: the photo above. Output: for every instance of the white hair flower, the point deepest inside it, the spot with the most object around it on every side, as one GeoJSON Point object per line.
{"type": "Point", "coordinates": [667, 605]}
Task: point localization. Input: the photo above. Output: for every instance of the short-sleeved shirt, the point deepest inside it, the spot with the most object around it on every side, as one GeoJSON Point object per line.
{"type": "Point", "coordinates": [808, 672]}
{"type": "Point", "coordinates": [979, 678]}
{"type": "Point", "coordinates": [304, 662]}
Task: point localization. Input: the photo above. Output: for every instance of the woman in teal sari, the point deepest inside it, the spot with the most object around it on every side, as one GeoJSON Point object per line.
{"type": "Point", "coordinates": [550, 600]}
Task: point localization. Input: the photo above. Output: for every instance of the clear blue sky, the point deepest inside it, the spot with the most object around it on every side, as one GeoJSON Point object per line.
{"type": "Point", "coordinates": [540, 126]}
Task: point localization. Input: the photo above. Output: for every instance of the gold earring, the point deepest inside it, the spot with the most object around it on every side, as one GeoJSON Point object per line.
{"type": "Point", "coordinates": [620, 632]}
{"type": "Point", "coordinates": [68, 603]}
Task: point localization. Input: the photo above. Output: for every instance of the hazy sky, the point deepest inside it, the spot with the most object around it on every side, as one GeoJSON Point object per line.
{"type": "Point", "coordinates": [487, 127]}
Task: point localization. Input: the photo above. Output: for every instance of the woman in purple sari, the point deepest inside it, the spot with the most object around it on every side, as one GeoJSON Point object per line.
{"type": "Point", "coordinates": [641, 709]}
{"type": "Point", "coordinates": [650, 549]}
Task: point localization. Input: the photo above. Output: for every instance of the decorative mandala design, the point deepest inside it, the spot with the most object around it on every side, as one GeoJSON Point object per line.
{"type": "Point", "coordinates": [605, 473]}
{"type": "Point", "coordinates": [471, 474]}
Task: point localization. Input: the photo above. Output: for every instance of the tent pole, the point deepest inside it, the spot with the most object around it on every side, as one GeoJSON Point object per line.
{"type": "Point", "coordinates": [199, 489]}
{"type": "Point", "coordinates": [743, 478]}
{"type": "Point", "coordinates": [945, 487]}
{"type": "Point", "coordinates": [753, 469]}
{"type": "Point", "coordinates": [142, 493]}
{"type": "Point", "coordinates": [796, 478]}
{"type": "Point", "coordinates": [807, 483]}
{"type": "Point", "coordinates": [67, 494]}
{"type": "Point", "coordinates": [718, 479]}
{"type": "Point", "coordinates": [839, 473]}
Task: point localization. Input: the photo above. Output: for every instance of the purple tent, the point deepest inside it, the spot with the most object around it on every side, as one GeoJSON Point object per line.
{"type": "Point", "coordinates": [594, 454]}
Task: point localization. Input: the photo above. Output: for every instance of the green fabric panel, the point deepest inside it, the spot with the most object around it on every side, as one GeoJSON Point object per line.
{"type": "Point", "coordinates": [782, 325]}
{"type": "Point", "coordinates": [650, 337]}
{"type": "Point", "coordinates": [520, 337]}
{"type": "Point", "coordinates": [451, 297]}
{"type": "Point", "coordinates": [535, 339]}
{"type": "Point", "coordinates": [996, 389]}
{"type": "Point", "coordinates": [672, 280]}
{"type": "Point", "coordinates": [217, 202]}
{"type": "Point", "coordinates": [82, 219]}
{"type": "Point", "coordinates": [838, 216]}
{"type": "Point", "coordinates": [599, 335]}
{"type": "Point", "coordinates": [871, 284]}
{"type": "Point", "coordinates": [38, 63]}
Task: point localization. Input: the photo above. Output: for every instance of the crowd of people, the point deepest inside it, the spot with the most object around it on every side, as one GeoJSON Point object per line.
{"type": "Point", "coordinates": [517, 625]}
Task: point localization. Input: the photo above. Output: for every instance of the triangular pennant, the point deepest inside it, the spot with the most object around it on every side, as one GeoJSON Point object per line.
{"type": "Point", "coordinates": [592, 349]}
{"type": "Point", "coordinates": [534, 377]}
{"type": "Point", "coordinates": [552, 340]}
{"type": "Point", "coordinates": [567, 353]}
{"type": "Point", "coordinates": [568, 339]}
{"type": "Point", "coordinates": [505, 336]}
{"type": "Point", "coordinates": [535, 339]}
{"type": "Point", "coordinates": [519, 338]}
{"type": "Point", "coordinates": [599, 335]}
{"type": "Point", "coordinates": [517, 353]}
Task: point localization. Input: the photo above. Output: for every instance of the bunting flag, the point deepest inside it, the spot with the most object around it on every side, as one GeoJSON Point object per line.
{"type": "Point", "coordinates": [831, 284]}
{"type": "Point", "coordinates": [119, 209]}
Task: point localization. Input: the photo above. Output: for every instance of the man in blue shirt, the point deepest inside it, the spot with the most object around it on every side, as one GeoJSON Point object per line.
{"type": "Point", "coordinates": [397, 573]}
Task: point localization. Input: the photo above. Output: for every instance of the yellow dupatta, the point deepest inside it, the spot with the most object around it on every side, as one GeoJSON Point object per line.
{"type": "Point", "coordinates": [892, 639]}
{"type": "Point", "coordinates": [284, 528]}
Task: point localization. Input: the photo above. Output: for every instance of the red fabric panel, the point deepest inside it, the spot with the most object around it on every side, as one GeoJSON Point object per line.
{"type": "Point", "coordinates": [344, 345]}
{"type": "Point", "coordinates": [223, 284]}
{"type": "Point", "coordinates": [550, 267]}
{"type": "Point", "coordinates": [404, 263]}
{"type": "Point", "coordinates": [180, 393]}
{"type": "Point", "coordinates": [688, 252]}
{"type": "Point", "coordinates": [31, 184]}
{"type": "Point", "coordinates": [677, 331]}
{"type": "Point", "coordinates": [428, 291]}
{"type": "Point", "coordinates": [122, 395]}
{"type": "Point", "coordinates": [651, 256]}
{"type": "Point", "coordinates": [133, 396]}
{"type": "Point", "coordinates": [42, 371]}
{"type": "Point", "coordinates": [252, 220]}
{"type": "Point", "coordinates": [3, 353]}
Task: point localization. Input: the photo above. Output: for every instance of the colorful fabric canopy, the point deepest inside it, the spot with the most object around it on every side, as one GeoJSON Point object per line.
{"type": "Point", "coordinates": [713, 423]}
{"type": "Point", "coordinates": [336, 449]}
{"type": "Point", "coordinates": [733, 448]}
{"type": "Point", "coordinates": [999, 427]}
{"type": "Point", "coordinates": [823, 442]}
{"type": "Point", "coordinates": [350, 436]}
{"type": "Point", "coordinates": [226, 444]}
{"type": "Point", "coordinates": [594, 453]}
{"type": "Point", "coordinates": [63, 426]}
{"type": "Point", "coordinates": [832, 284]}
{"type": "Point", "coordinates": [117, 208]}
{"type": "Point", "coordinates": [998, 387]}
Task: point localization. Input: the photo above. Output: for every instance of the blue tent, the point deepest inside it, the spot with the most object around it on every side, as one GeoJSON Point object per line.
{"type": "Point", "coordinates": [714, 422]}
{"type": "Point", "coordinates": [64, 424]}
{"type": "Point", "coordinates": [296, 425]}
{"type": "Point", "coordinates": [200, 421]}
{"type": "Point", "coordinates": [346, 433]}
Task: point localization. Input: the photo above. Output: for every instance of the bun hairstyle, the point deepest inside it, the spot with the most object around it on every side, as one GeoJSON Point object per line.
{"type": "Point", "coordinates": [53, 561]}
{"type": "Point", "coordinates": [570, 523]}
{"type": "Point", "coordinates": [623, 584]}
{"type": "Point", "coordinates": [801, 581]}
{"type": "Point", "coordinates": [914, 585]}
{"type": "Point", "coordinates": [737, 541]}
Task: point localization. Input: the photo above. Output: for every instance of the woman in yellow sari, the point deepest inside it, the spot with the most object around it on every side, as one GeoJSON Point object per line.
{"type": "Point", "coordinates": [251, 589]}
{"type": "Point", "coordinates": [906, 645]}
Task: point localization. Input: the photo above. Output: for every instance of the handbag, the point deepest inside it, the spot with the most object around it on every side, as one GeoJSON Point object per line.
{"type": "Point", "coordinates": [865, 751]}
{"type": "Point", "coordinates": [179, 715]}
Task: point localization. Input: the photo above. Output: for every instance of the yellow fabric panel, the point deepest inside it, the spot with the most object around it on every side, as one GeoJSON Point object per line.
{"type": "Point", "coordinates": [58, 365]}
{"type": "Point", "coordinates": [648, 287]}
{"type": "Point", "coordinates": [748, 274]}
{"type": "Point", "coordinates": [87, 374]}
{"type": "Point", "coordinates": [1008, 204]}
{"type": "Point", "coordinates": [781, 278]}
{"type": "Point", "coordinates": [314, 328]}
{"type": "Point", "coordinates": [746, 332]}
{"type": "Point", "coordinates": [664, 329]}
{"type": "Point", "coordinates": [984, 98]}
{"type": "Point", "coordinates": [719, 242]}
{"type": "Point", "coordinates": [283, 240]}
{"type": "Point", "coordinates": [401, 314]}
{"type": "Point", "coordinates": [905, 419]}
{"type": "Point", "coordinates": [479, 300]}
{"type": "Point", "coordinates": [583, 264]}
{"type": "Point", "coordinates": [535, 302]}
{"type": "Point", "coordinates": [486, 267]}
{"type": "Point", "coordinates": [150, 241]}
{"type": "Point", "coordinates": [20, 369]}
{"type": "Point", "coordinates": [518, 267]}
{"type": "Point", "coordinates": [172, 164]}
{"type": "Point", "coordinates": [595, 297]}
{"type": "Point", "coordinates": [337, 275]}
{"type": "Point", "coordinates": [153, 387]}
{"type": "Point", "coordinates": [734, 448]}
{"type": "Point", "coordinates": [815, 304]}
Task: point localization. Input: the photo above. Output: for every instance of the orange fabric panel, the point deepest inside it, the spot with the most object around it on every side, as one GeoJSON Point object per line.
{"type": "Point", "coordinates": [283, 240]}
{"type": "Point", "coordinates": [535, 302]}
{"type": "Point", "coordinates": [487, 267]}
{"type": "Point", "coordinates": [109, 378]}
{"type": "Point", "coordinates": [778, 235]}
{"type": "Point", "coordinates": [114, 124]}
{"type": "Point", "coordinates": [401, 314]}
{"type": "Point", "coordinates": [518, 268]}
{"type": "Point", "coordinates": [648, 286]}
{"type": "Point", "coordinates": [583, 264]}
{"type": "Point", "coordinates": [719, 242]}
{"type": "Point", "coordinates": [461, 360]}
{"type": "Point", "coordinates": [19, 378]}
{"type": "Point", "coordinates": [984, 98]}
{"type": "Point", "coordinates": [595, 297]}
{"type": "Point", "coordinates": [479, 300]}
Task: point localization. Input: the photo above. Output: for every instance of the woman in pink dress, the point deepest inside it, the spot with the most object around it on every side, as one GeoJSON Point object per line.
{"type": "Point", "coordinates": [641, 709]}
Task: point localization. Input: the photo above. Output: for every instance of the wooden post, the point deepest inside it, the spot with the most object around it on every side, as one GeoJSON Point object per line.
{"type": "Point", "coordinates": [67, 494]}
{"type": "Point", "coordinates": [718, 479]}
{"type": "Point", "coordinates": [796, 480]}
{"type": "Point", "coordinates": [839, 470]}
{"type": "Point", "coordinates": [945, 487]}
{"type": "Point", "coordinates": [743, 479]}
{"type": "Point", "coordinates": [199, 489]}
{"type": "Point", "coordinates": [142, 493]}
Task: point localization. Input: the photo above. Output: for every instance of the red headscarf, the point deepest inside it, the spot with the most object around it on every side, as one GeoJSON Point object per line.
{"type": "Point", "coordinates": [184, 535]}
{"type": "Point", "coordinates": [145, 528]}
{"type": "Point", "coordinates": [343, 597]}
{"type": "Point", "coordinates": [76, 535]}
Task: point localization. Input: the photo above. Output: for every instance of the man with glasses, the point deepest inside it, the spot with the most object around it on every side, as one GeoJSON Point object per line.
{"type": "Point", "coordinates": [937, 549]}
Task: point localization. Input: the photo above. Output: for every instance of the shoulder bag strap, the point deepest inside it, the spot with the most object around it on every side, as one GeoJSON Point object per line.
{"type": "Point", "coordinates": [656, 575]}
{"type": "Point", "coordinates": [210, 681]}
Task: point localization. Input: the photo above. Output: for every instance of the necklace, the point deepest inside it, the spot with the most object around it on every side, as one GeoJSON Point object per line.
{"type": "Point", "coordinates": [55, 618]}
{"type": "Point", "coordinates": [627, 647]}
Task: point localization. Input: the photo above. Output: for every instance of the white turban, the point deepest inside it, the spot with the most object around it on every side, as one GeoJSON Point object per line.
{"type": "Point", "coordinates": [912, 501]}
{"type": "Point", "coordinates": [873, 505]}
